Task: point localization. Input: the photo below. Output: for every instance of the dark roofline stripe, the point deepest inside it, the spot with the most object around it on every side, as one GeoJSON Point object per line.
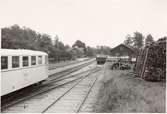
{"type": "Point", "coordinates": [131, 48]}
{"type": "Point", "coordinates": [125, 46]}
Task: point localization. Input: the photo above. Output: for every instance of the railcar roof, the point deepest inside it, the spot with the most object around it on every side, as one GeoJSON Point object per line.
{"type": "Point", "coordinates": [21, 52]}
{"type": "Point", "coordinates": [101, 56]}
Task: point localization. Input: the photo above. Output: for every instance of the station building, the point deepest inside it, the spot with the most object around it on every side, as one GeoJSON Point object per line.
{"type": "Point", "coordinates": [123, 51]}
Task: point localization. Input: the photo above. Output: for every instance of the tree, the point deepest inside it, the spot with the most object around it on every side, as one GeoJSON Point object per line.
{"type": "Point", "coordinates": [128, 40]}
{"type": "Point", "coordinates": [138, 40]}
{"type": "Point", "coordinates": [45, 43]}
{"type": "Point", "coordinates": [80, 44]}
{"type": "Point", "coordinates": [56, 41]}
{"type": "Point", "coordinates": [67, 47]}
{"type": "Point", "coordinates": [90, 51]}
{"type": "Point", "coordinates": [61, 46]}
{"type": "Point", "coordinates": [149, 39]}
{"type": "Point", "coordinates": [61, 51]}
{"type": "Point", "coordinates": [19, 38]}
{"type": "Point", "coordinates": [15, 37]}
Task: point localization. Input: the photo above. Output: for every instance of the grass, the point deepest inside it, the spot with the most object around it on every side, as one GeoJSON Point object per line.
{"type": "Point", "coordinates": [122, 92]}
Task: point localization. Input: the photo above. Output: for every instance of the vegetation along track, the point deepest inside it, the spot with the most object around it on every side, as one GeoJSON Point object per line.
{"type": "Point", "coordinates": [44, 88]}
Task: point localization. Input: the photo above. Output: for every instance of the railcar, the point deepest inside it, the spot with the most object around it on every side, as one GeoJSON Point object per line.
{"type": "Point", "coordinates": [101, 59]}
{"type": "Point", "coordinates": [21, 68]}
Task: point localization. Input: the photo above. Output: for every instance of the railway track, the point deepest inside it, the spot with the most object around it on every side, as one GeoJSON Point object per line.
{"type": "Point", "coordinates": [52, 78]}
{"type": "Point", "coordinates": [47, 86]}
{"type": "Point", "coordinates": [45, 110]}
{"type": "Point", "coordinates": [69, 70]}
{"type": "Point", "coordinates": [72, 63]}
{"type": "Point", "coordinates": [86, 96]}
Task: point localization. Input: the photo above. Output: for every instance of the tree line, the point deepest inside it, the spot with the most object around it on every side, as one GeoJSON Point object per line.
{"type": "Point", "coordinates": [138, 40]}
{"type": "Point", "coordinates": [16, 37]}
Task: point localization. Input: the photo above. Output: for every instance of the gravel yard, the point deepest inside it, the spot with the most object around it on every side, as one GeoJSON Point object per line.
{"type": "Point", "coordinates": [121, 91]}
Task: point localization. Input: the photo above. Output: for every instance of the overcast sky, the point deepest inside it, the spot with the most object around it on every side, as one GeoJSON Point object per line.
{"type": "Point", "coordinates": [95, 22]}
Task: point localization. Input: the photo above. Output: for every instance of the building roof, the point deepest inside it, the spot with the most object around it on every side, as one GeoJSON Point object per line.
{"type": "Point", "coordinates": [20, 52]}
{"type": "Point", "coordinates": [127, 46]}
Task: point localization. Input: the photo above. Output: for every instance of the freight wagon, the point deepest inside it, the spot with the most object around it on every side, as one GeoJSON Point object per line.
{"type": "Point", "coordinates": [101, 59]}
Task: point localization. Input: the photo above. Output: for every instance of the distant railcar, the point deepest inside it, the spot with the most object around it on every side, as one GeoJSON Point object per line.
{"type": "Point", "coordinates": [21, 68]}
{"type": "Point", "coordinates": [101, 59]}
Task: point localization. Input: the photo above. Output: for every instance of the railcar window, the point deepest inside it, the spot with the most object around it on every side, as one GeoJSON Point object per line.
{"type": "Point", "coordinates": [39, 59]}
{"type": "Point", "coordinates": [25, 61]}
{"type": "Point", "coordinates": [46, 59]}
{"type": "Point", "coordinates": [33, 60]}
{"type": "Point", "coordinates": [4, 62]}
{"type": "Point", "coordinates": [15, 61]}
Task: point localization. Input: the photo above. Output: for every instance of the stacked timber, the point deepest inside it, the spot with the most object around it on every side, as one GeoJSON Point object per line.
{"type": "Point", "coordinates": [140, 61]}
{"type": "Point", "coordinates": [151, 63]}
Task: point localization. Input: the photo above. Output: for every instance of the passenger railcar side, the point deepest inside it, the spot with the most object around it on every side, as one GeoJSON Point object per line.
{"type": "Point", "coordinates": [22, 68]}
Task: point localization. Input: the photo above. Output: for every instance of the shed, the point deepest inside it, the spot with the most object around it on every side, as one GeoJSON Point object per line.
{"type": "Point", "coordinates": [124, 51]}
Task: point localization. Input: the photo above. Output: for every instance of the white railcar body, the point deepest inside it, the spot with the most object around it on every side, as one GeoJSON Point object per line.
{"type": "Point", "coordinates": [22, 68]}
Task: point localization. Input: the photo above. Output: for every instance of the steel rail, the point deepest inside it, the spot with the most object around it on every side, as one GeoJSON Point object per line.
{"type": "Point", "coordinates": [67, 91]}
{"type": "Point", "coordinates": [60, 77]}
{"type": "Point", "coordinates": [78, 110]}
{"type": "Point", "coordinates": [76, 62]}
{"type": "Point", "coordinates": [38, 93]}
{"type": "Point", "coordinates": [70, 70]}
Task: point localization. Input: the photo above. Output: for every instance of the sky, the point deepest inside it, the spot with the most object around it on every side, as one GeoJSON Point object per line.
{"type": "Point", "coordinates": [94, 22]}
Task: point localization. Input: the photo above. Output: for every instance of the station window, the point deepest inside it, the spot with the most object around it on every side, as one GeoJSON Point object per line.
{"type": "Point", "coordinates": [15, 61]}
{"type": "Point", "coordinates": [46, 59]}
{"type": "Point", "coordinates": [25, 61]}
{"type": "Point", "coordinates": [39, 59]}
{"type": "Point", "coordinates": [4, 62]}
{"type": "Point", "coordinates": [33, 60]}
